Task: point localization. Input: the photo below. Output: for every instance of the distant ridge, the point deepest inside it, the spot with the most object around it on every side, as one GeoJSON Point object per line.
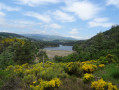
{"type": "Point", "coordinates": [47, 37]}
{"type": "Point", "coordinates": [10, 35]}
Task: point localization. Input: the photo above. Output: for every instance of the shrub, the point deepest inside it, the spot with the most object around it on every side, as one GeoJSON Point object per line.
{"type": "Point", "coordinates": [88, 77]}
{"type": "Point", "coordinates": [102, 85]}
{"type": "Point", "coordinates": [29, 79]}
{"type": "Point", "coordinates": [74, 68]}
{"type": "Point", "coordinates": [43, 85]}
{"type": "Point", "coordinates": [101, 65]}
{"type": "Point", "coordinates": [103, 60]}
{"type": "Point", "coordinates": [111, 58]}
{"type": "Point", "coordinates": [89, 68]}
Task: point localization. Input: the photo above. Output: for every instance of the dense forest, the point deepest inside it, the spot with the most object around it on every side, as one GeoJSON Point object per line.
{"type": "Point", "coordinates": [93, 66]}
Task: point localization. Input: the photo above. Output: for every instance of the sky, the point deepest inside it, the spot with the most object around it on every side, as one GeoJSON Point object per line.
{"type": "Point", "coordinates": [80, 19]}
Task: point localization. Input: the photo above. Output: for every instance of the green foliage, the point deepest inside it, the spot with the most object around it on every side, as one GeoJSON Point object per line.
{"type": "Point", "coordinates": [115, 73]}
{"type": "Point", "coordinates": [70, 58]}
{"type": "Point", "coordinates": [28, 79]}
{"type": "Point", "coordinates": [103, 60]}
{"type": "Point", "coordinates": [75, 69]}
{"type": "Point", "coordinates": [24, 53]}
{"type": "Point", "coordinates": [99, 45]}
{"type": "Point", "coordinates": [108, 59]}
{"type": "Point", "coordinates": [5, 76]}
{"type": "Point", "coordinates": [108, 73]}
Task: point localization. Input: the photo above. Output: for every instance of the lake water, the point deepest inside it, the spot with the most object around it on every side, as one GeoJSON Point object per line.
{"type": "Point", "coordinates": [61, 47]}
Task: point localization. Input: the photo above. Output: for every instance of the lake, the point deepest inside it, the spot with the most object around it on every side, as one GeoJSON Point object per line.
{"type": "Point", "coordinates": [61, 47]}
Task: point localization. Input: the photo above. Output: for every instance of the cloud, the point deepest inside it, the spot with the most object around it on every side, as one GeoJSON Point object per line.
{"type": "Point", "coordinates": [113, 2]}
{"type": "Point", "coordinates": [34, 3]}
{"type": "Point", "coordinates": [44, 18]}
{"type": "Point", "coordinates": [55, 26]}
{"type": "Point", "coordinates": [83, 9]}
{"type": "Point", "coordinates": [74, 31]}
{"type": "Point", "coordinates": [100, 22]}
{"type": "Point", "coordinates": [63, 17]}
{"type": "Point", "coordinates": [8, 8]}
{"type": "Point", "coordinates": [17, 24]}
{"type": "Point", "coordinates": [79, 37]}
{"type": "Point", "coordinates": [2, 14]}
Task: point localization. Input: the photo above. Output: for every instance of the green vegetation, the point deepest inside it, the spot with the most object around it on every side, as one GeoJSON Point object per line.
{"type": "Point", "coordinates": [94, 65]}
{"type": "Point", "coordinates": [99, 45]}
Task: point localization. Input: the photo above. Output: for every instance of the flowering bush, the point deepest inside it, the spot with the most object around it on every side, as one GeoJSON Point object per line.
{"type": "Point", "coordinates": [101, 65]}
{"type": "Point", "coordinates": [102, 85]}
{"type": "Point", "coordinates": [46, 84]}
{"type": "Point", "coordinates": [89, 67]}
{"type": "Point", "coordinates": [88, 77]}
{"type": "Point", "coordinates": [74, 68]}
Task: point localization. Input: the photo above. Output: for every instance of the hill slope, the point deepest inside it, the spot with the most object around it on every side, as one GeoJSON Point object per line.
{"type": "Point", "coordinates": [47, 37]}
{"type": "Point", "coordinates": [10, 35]}
{"type": "Point", "coordinates": [100, 45]}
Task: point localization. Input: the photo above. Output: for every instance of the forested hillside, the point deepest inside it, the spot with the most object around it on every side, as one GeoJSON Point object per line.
{"type": "Point", "coordinates": [100, 45]}
{"type": "Point", "coordinates": [10, 35]}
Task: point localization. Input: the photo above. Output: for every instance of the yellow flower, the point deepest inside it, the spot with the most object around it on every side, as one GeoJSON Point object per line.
{"type": "Point", "coordinates": [88, 77]}
{"type": "Point", "coordinates": [101, 65]}
{"type": "Point", "coordinates": [89, 67]}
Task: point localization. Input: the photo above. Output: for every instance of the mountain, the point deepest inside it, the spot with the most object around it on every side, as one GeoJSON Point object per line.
{"type": "Point", "coordinates": [10, 35]}
{"type": "Point", "coordinates": [47, 37]}
{"type": "Point", "coordinates": [100, 45]}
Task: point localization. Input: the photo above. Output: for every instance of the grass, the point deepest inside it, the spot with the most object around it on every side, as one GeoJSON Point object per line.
{"type": "Point", "coordinates": [108, 73]}
{"type": "Point", "coordinates": [74, 83]}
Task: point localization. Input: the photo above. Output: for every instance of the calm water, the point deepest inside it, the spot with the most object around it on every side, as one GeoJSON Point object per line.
{"type": "Point", "coordinates": [61, 47]}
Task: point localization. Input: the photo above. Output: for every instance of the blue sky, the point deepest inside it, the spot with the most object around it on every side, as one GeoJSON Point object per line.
{"type": "Point", "coordinates": [79, 19]}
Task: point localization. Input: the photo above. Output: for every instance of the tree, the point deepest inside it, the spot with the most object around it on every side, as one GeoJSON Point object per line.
{"type": "Point", "coordinates": [24, 53]}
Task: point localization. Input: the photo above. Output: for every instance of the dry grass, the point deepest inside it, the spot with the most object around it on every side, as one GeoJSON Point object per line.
{"type": "Point", "coordinates": [74, 84]}
{"type": "Point", "coordinates": [53, 53]}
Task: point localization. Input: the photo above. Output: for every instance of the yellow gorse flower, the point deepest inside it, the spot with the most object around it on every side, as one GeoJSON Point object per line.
{"type": "Point", "coordinates": [88, 77]}
{"type": "Point", "coordinates": [89, 67]}
{"type": "Point", "coordinates": [101, 85]}
{"type": "Point", "coordinates": [101, 65]}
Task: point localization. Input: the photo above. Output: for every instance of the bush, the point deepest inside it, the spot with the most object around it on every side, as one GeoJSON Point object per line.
{"type": "Point", "coordinates": [74, 68]}
{"type": "Point", "coordinates": [102, 85]}
{"type": "Point", "coordinates": [103, 60]}
{"type": "Point", "coordinates": [101, 65]}
{"type": "Point", "coordinates": [108, 59]}
{"type": "Point", "coordinates": [89, 68]}
{"type": "Point", "coordinates": [88, 77]}
{"type": "Point", "coordinates": [29, 79]}
{"type": "Point", "coordinates": [46, 85]}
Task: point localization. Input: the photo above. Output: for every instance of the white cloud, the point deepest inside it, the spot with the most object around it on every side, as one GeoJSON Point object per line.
{"type": "Point", "coordinates": [8, 8]}
{"type": "Point", "coordinates": [36, 2]}
{"type": "Point", "coordinates": [79, 37]}
{"type": "Point", "coordinates": [74, 31]}
{"type": "Point", "coordinates": [2, 14]}
{"type": "Point", "coordinates": [113, 2]}
{"type": "Point", "coordinates": [63, 17]}
{"type": "Point", "coordinates": [83, 9]}
{"type": "Point", "coordinates": [55, 26]}
{"type": "Point", "coordinates": [44, 18]}
{"type": "Point", "coordinates": [17, 24]}
{"type": "Point", "coordinates": [51, 26]}
{"type": "Point", "coordinates": [102, 22]}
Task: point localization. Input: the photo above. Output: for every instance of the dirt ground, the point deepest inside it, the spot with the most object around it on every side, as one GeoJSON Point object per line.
{"type": "Point", "coordinates": [52, 53]}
